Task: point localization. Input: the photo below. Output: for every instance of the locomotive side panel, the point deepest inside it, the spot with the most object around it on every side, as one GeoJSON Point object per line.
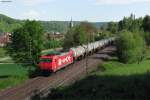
{"type": "Point", "coordinates": [62, 61]}
{"type": "Point", "coordinates": [56, 62]}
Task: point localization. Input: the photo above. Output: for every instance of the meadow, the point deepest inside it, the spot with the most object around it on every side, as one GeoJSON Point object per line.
{"type": "Point", "coordinates": [12, 75]}
{"type": "Point", "coordinates": [113, 67]}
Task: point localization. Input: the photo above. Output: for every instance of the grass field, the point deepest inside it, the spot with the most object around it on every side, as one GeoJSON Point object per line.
{"type": "Point", "coordinates": [2, 52]}
{"type": "Point", "coordinates": [116, 68]}
{"type": "Point", "coordinates": [12, 70]}
{"type": "Point", "coordinates": [117, 81]}
{"type": "Point", "coordinates": [12, 75]}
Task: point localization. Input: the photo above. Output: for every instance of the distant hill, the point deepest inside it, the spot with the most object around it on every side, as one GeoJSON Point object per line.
{"type": "Point", "coordinates": [8, 24]}
{"type": "Point", "coordinates": [62, 26]}
{"type": "Point", "coordinates": [100, 24]}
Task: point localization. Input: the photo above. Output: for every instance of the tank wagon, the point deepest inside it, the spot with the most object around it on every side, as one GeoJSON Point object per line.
{"type": "Point", "coordinates": [54, 62]}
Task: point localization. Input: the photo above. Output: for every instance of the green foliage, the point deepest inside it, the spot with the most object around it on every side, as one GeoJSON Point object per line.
{"type": "Point", "coordinates": [69, 39]}
{"type": "Point", "coordinates": [146, 23]}
{"type": "Point", "coordinates": [59, 26]}
{"type": "Point", "coordinates": [103, 35]}
{"type": "Point", "coordinates": [53, 44]}
{"type": "Point", "coordinates": [79, 35]}
{"type": "Point", "coordinates": [8, 24]}
{"type": "Point", "coordinates": [89, 30]}
{"type": "Point", "coordinates": [146, 27]}
{"type": "Point", "coordinates": [112, 27]}
{"type": "Point", "coordinates": [136, 25]}
{"type": "Point", "coordinates": [74, 37]}
{"type": "Point", "coordinates": [27, 43]}
{"type": "Point", "coordinates": [110, 30]}
{"type": "Point", "coordinates": [130, 23]}
{"type": "Point", "coordinates": [130, 47]}
{"type": "Point", "coordinates": [147, 38]}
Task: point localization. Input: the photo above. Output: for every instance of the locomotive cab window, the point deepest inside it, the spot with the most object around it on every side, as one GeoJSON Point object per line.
{"type": "Point", "coordinates": [46, 60]}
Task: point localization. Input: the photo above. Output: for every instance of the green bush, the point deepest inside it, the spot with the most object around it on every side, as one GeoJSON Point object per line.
{"type": "Point", "coordinates": [53, 44]}
{"type": "Point", "coordinates": [103, 35]}
{"type": "Point", "coordinates": [76, 36]}
{"type": "Point", "coordinates": [147, 38]}
{"type": "Point", "coordinates": [130, 47]}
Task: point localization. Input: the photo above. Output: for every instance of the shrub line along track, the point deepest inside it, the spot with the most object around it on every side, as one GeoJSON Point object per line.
{"type": "Point", "coordinates": [63, 77]}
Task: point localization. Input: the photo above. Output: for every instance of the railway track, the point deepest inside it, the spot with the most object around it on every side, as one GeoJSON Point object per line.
{"type": "Point", "coordinates": [63, 77]}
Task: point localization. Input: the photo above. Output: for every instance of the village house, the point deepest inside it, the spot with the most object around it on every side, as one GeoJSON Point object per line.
{"type": "Point", "coordinates": [55, 35]}
{"type": "Point", "coordinates": [4, 39]}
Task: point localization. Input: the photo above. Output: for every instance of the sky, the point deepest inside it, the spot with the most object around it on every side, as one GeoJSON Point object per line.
{"type": "Point", "coordinates": [79, 10]}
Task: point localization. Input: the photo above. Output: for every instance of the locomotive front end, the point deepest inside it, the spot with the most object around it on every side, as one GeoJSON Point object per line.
{"type": "Point", "coordinates": [46, 63]}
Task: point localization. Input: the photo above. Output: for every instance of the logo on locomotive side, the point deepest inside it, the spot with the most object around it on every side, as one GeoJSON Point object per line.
{"type": "Point", "coordinates": [59, 62]}
{"type": "Point", "coordinates": [64, 60]}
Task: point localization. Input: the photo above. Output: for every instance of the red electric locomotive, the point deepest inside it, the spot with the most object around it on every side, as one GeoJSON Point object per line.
{"type": "Point", "coordinates": [55, 61]}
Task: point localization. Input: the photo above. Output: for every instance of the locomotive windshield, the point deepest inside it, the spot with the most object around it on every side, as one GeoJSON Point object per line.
{"type": "Point", "coordinates": [46, 60]}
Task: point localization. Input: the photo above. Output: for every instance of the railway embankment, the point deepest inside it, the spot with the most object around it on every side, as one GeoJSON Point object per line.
{"type": "Point", "coordinates": [64, 77]}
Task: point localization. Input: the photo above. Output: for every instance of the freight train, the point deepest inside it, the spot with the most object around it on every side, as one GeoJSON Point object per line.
{"type": "Point", "coordinates": [58, 60]}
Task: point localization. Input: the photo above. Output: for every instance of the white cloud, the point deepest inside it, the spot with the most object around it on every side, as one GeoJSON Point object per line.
{"type": "Point", "coordinates": [115, 2]}
{"type": "Point", "coordinates": [35, 15]}
{"type": "Point", "coordinates": [32, 14]}
{"type": "Point", "coordinates": [34, 2]}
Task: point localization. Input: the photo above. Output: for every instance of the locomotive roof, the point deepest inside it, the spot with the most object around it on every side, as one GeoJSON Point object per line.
{"type": "Point", "coordinates": [53, 53]}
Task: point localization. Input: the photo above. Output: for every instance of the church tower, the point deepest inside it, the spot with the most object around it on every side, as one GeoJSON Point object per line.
{"type": "Point", "coordinates": [71, 24]}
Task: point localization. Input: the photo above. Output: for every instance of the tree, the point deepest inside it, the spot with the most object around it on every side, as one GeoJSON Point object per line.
{"type": "Point", "coordinates": [112, 27]}
{"type": "Point", "coordinates": [136, 25]}
{"type": "Point", "coordinates": [146, 23]}
{"type": "Point", "coordinates": [130, 46]}
{"type": "Point", "coordinates": [146, 27]}
{"type": "Point", "coordinates": [27, 43]}
{"type": "Point", "coordinates": [103, 35]}
{"type": "Point", "coordinates": [79, 35]}
{"type": "Point", "coordinates": [69, 39]}
{"type": "Point", "coordinates": [8, 24]}
{"type": "Point", "coordinates": [89, 30]}
{"type": "Point", "coordinates": [125, 24]}
{"type": "Point", "coordinates": [147, 38]}
{"type": "Point", "coordinates": [130, 23]}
